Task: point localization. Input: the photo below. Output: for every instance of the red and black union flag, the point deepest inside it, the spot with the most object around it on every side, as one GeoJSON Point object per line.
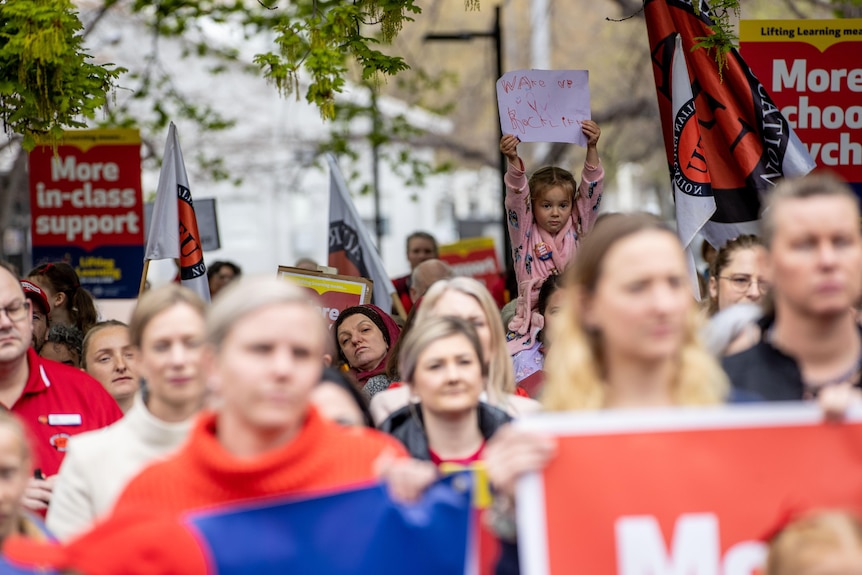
{"type": "Point", "coordinates": [727, 143]}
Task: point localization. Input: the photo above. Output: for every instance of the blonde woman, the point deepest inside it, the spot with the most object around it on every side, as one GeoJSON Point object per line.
{"type": "Point", "coordinates": [469, 300]}
{"type": "Point", "coordinates": [442, 365]}
{"type": "Point", "coordinates": [166, 335]}
{"type": "Point", "coordinates": [626, 337]}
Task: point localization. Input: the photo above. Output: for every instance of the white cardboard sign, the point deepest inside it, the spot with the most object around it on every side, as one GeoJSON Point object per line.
{"type": "Point", "coordinates": [544, 105]}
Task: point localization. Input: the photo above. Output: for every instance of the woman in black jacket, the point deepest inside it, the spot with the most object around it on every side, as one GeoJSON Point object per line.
{"type": "Point", "coordinates": [441, 362]}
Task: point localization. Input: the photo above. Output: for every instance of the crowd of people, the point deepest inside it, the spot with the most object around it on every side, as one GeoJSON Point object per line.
{"type": "Point", "coordinates": [191, 405]}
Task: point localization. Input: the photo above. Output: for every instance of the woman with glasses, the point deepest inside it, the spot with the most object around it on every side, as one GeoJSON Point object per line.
{"type": "Point", "coordinates": [736, 274]}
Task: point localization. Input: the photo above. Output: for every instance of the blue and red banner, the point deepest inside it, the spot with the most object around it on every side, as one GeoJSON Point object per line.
{"type": "Point", "coordinates": [87, 208]}
{"type": "Point", "coordinates": [354, 532]}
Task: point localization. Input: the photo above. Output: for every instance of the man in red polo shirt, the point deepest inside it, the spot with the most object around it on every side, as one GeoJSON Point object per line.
{"type": "Point", "coordinates": [53, 400]}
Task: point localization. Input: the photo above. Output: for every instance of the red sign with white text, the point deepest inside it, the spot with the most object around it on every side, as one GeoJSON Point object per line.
{"type": "Point", "coordinates": [691, 491]}
{"type": "Point", "coordinates": [87, 208]}
{"type": "Point", "coordinates": [473, 257]}
{"type": "Point", "coordinates": [813, 71]}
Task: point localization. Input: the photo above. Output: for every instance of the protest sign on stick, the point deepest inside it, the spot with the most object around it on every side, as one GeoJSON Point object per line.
{"type": "Point", "coordinates": [544, 105]}
{"type": "Point", "coordinates": [683, 490]}
{"type": "Point", "coordinates": [336, 292]}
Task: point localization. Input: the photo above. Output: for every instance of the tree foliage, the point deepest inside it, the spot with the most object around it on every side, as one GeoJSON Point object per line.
{"type": "Point", "coordinates": [322, 37]}
{"type": "Point", "coordinates": [46, 80]}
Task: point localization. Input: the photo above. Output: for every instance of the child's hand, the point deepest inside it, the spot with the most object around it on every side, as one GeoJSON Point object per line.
{"type": "Point", "coordinates": [592, 131]}
{"type": "Point", "coordinates": [509, 147]}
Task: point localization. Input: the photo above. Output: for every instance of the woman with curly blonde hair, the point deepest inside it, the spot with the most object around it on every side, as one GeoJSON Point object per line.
{"type": "Point", "coordinates": [627, 335]}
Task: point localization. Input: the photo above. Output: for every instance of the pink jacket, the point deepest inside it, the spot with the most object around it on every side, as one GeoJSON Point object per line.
{"type": "Point", "coordinates": [525, 234]}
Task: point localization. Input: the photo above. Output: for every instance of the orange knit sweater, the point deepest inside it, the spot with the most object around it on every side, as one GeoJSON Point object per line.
{"type": "Point", "coordinates": [143, 534]}
{"type": "Point", "coordinates": [323, 457]}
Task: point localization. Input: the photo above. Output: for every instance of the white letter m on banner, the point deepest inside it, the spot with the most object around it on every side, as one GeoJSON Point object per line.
{"type": "Point", "coordinates": [695, 550]}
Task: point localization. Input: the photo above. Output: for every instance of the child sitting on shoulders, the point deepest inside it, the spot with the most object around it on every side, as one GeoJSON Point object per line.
{"type": "Point", "coordinates": [547, 217]}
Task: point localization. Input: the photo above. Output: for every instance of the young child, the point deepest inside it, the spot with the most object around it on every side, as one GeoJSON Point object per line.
{"type": "Point", "coordinates": [530, 362]}
{"type": "Point", "coordinates": [547, 217]}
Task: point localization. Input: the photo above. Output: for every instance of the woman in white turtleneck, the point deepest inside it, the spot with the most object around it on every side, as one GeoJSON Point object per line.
{"type": "Point", "coordinates": [166, 332]}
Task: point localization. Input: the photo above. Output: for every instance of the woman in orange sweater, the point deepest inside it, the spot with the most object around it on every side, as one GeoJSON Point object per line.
{"type": "Point", "coordinates": [264, 440]}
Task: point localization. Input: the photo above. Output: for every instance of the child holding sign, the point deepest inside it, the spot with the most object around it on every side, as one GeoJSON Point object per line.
{"type": "Point", "coordinates": [547, 216]}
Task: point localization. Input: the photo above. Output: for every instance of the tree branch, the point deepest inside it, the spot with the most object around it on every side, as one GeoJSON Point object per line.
{"type": "Point", "coordinates": [791, 5]}
{"type": "Point", "coordinates": [630, 8]}
{"type": "Point", "coordinates": [91, 25]}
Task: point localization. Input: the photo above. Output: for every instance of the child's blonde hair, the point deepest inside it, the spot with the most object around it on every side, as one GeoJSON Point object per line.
{"type": "Point", "coordinates": [805, 543]}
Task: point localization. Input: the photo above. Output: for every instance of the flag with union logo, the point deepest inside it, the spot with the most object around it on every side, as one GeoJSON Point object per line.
{"type": "Point", "coordinates": [351, 250]}
{"type": "Point", "coordinates": [727, 143]}
{"type": "Point", "coordinates": [174, 228]}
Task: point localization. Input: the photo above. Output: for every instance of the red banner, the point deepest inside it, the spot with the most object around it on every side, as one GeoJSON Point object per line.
{"type": "Point", "coordinates": [87, 208]}
{"type": "Point", "coordinates": [813, 70]}
{"type": "Point", "coordinates": [473, 257]}
{"type": "Point", "coordinates": [690, 491]}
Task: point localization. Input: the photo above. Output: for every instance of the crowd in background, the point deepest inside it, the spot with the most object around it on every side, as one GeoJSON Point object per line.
{"type": "Point", "coordinates": [189, 406]}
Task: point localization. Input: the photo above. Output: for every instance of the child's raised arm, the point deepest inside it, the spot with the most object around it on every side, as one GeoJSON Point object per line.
{"type": "Point", "coordinates": [592, 179]}
{"type": "Point", "coordinates": [592, 131]}
{"type": "Point", "coordinates": [509, 148]}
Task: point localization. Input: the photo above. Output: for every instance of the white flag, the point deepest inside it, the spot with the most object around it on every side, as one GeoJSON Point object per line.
{"type": "Point", "coordinates": [692, 190]}
{"type": "Point", "coordinates": [174, 228]}
{"type": "Point", "coordinates": [351, 250]}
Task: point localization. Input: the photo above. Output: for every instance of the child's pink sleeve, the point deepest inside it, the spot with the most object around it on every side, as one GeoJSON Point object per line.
{"type": "Point", "coordinates": [590, 197]}
{"type": "Point", "coordinates": [518, 214]}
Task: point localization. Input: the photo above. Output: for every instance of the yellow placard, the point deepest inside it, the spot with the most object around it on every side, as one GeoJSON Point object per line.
{"type": "Point", "coordinates": [86, 139]}
{"type": "Point", "coordinates": [819, 33]}
{"type": "Point", "coordinates": [466, 246]}
{"type": "Point", "coordinates": [322, 282]}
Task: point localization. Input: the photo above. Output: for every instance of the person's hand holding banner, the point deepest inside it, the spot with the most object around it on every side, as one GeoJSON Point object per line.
{"type": "Point", "coordinates": [512, 453]}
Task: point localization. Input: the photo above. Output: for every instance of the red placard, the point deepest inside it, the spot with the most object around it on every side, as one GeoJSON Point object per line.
{"type": "Point", "coordinates": [813, 71]}
{"type": "Point", "coordinates": [687, 491]}
{"type": "Point", "coordinates": [87, 208]}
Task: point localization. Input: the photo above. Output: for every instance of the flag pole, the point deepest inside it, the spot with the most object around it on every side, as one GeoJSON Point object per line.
{"type": "Point", "coordinates": [143, 286]}
{"type": "Point", "coordinates": [399, 307]}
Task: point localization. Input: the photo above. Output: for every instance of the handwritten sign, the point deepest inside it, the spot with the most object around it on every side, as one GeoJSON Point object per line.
{"type": "Point", "coordinates": [336, 293]}
{"type": "Point", "coordinates": [544, 105]}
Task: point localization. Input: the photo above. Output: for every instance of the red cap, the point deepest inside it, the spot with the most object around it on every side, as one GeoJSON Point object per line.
{"type": "Point", "coordinates": [37, 295]}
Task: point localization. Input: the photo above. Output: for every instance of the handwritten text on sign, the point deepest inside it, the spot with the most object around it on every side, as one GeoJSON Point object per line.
{"type": "Point", "coordinates": [544, 105]}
